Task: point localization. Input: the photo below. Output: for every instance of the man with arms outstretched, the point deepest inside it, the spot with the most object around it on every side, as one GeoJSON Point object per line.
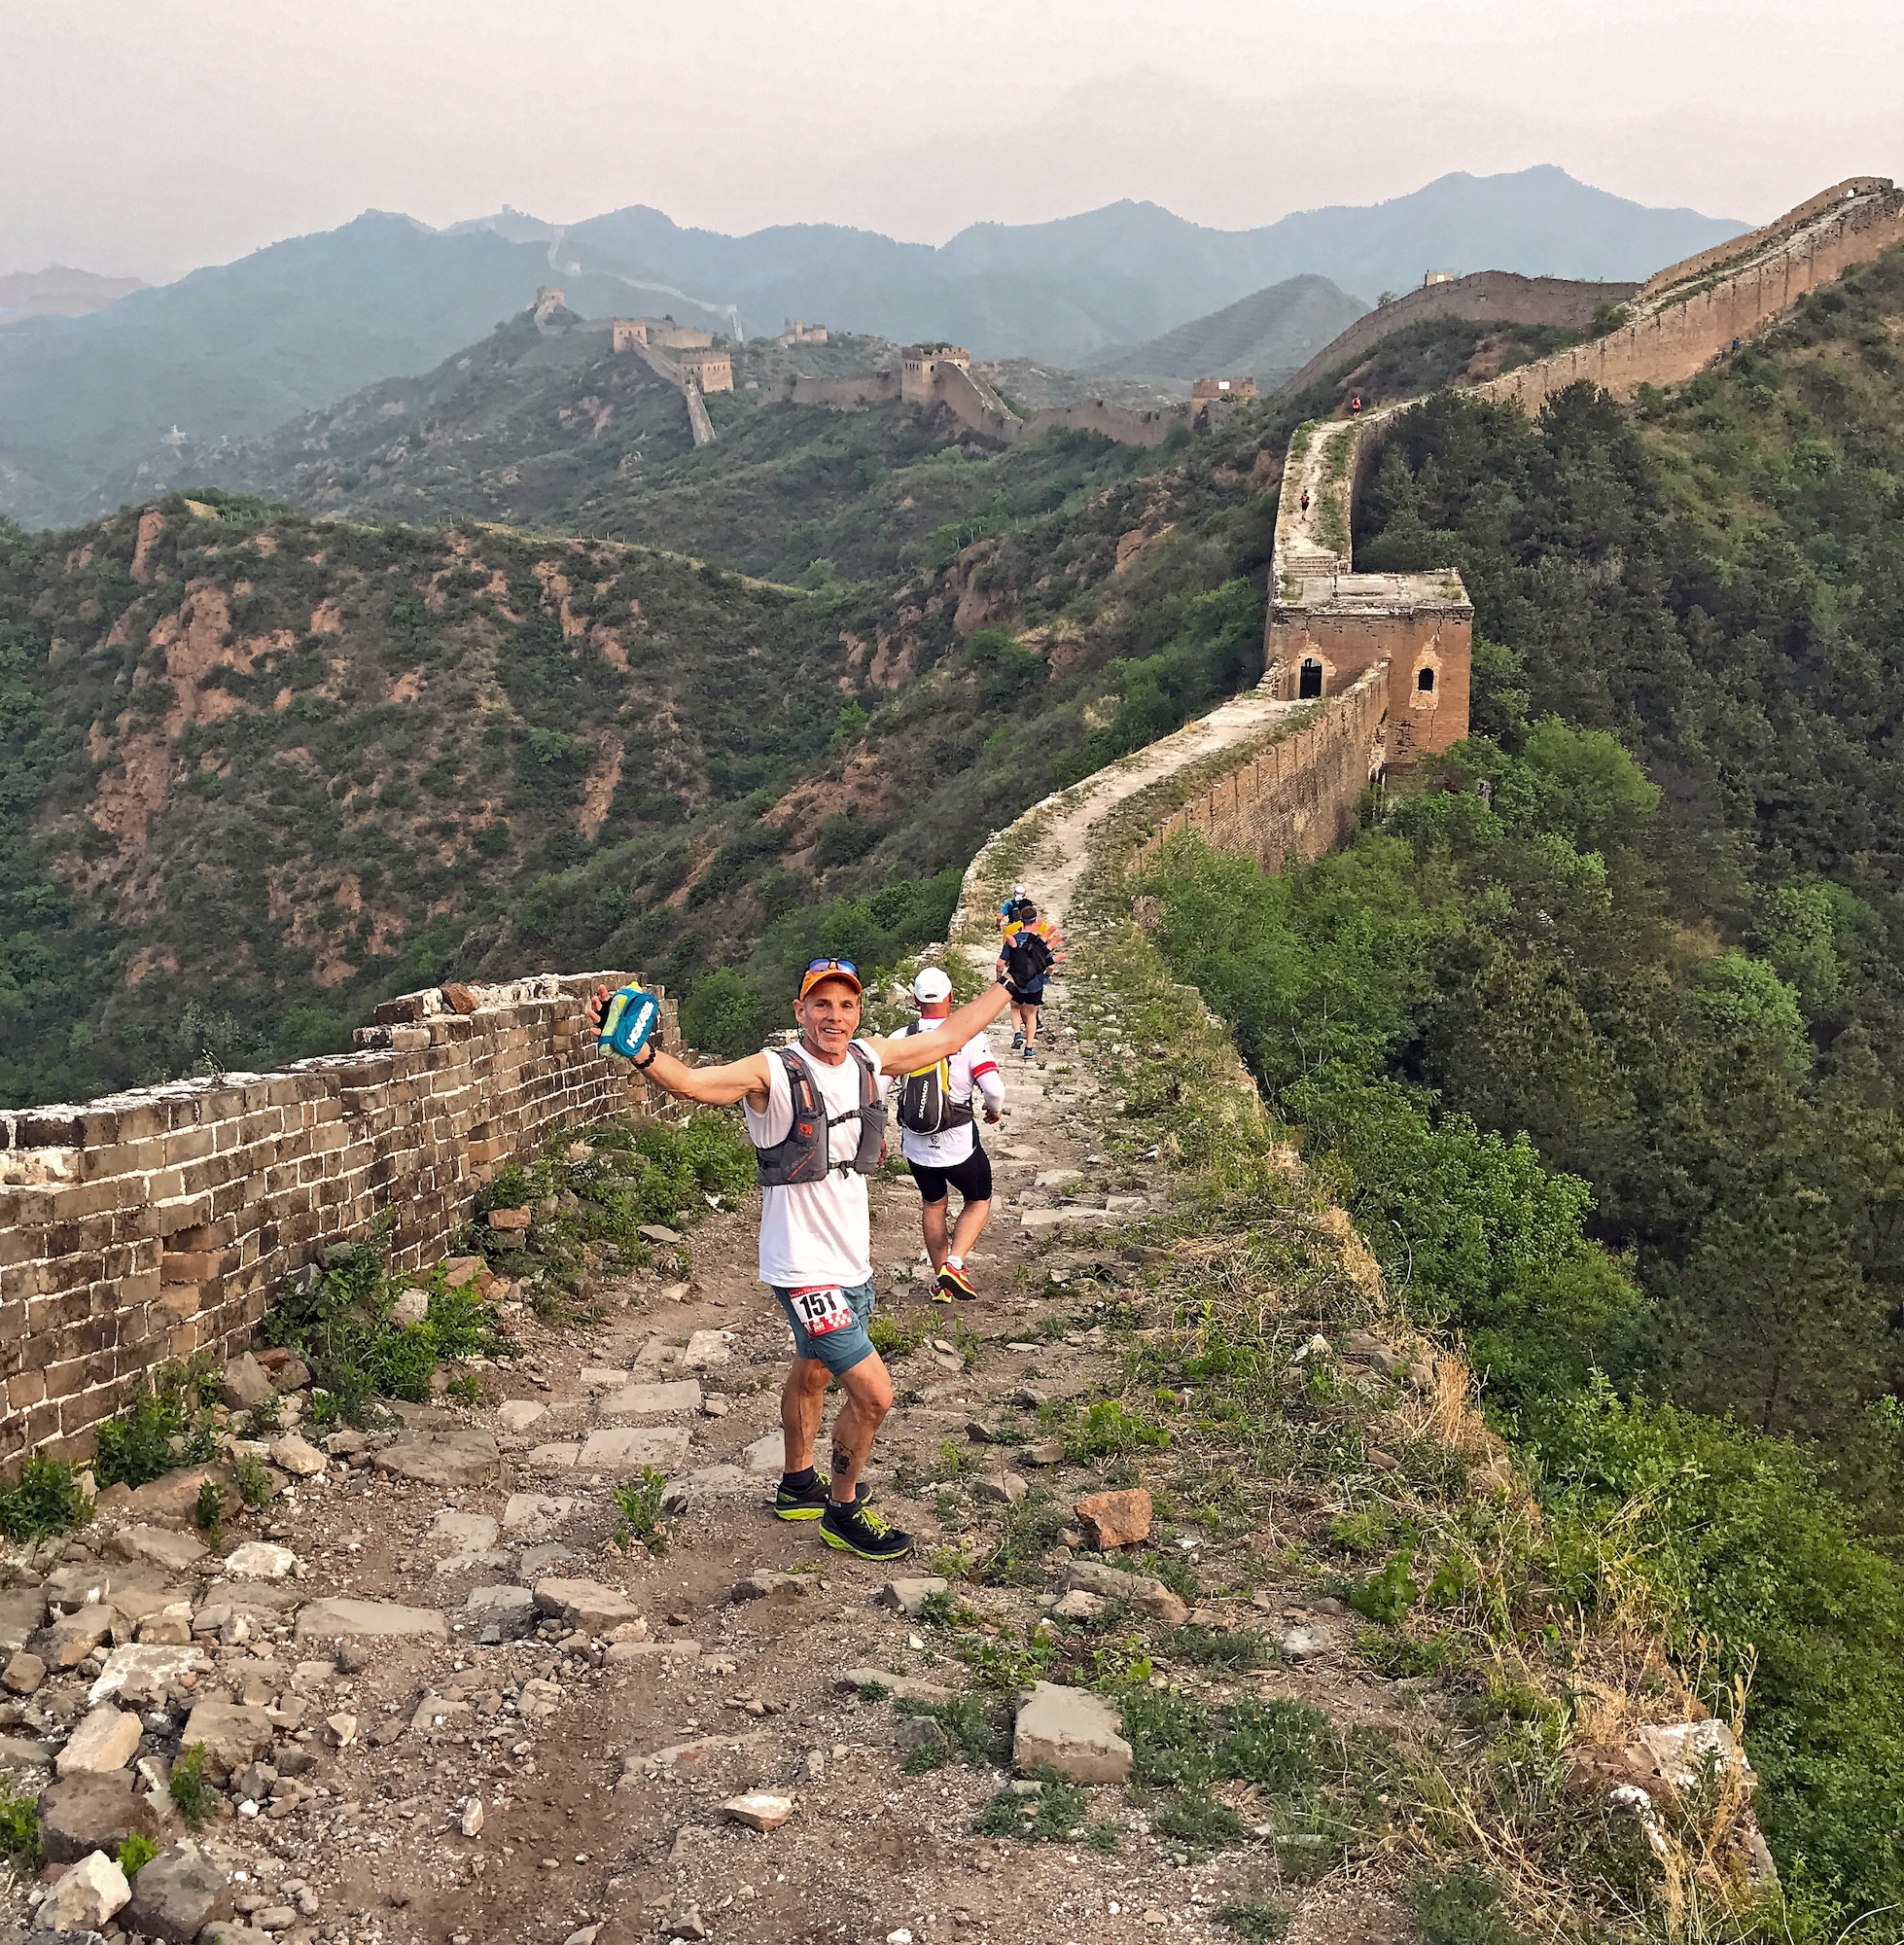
{"type": "Point", "coordinates": [815, 1114]}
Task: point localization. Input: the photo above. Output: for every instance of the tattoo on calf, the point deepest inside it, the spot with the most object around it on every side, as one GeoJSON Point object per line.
{"type": "Point", "coordinates": [843, 1460]}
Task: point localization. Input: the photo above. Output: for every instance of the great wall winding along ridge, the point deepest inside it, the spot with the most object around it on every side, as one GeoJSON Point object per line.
{"type": "Point", "coordinates": [144, 1226]}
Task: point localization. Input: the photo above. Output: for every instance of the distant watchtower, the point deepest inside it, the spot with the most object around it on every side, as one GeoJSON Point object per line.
{"type": "Point", "coordinates": [548, 299]}
{"type": "Point", "coordinates": [705, 369]}
{"type": "Point", "coordinates": [919, 367]}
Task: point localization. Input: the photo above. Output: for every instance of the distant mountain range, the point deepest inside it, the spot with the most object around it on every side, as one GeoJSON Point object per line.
{"type": "Point", "coordinates": [235, 350]}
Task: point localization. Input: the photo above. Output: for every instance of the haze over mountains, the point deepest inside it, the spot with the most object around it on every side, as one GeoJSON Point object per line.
{"type": "Point", "coordinates": [234, 350]}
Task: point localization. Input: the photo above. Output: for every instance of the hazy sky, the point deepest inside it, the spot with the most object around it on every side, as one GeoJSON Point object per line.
{"type": "Point", "coordinates": [148, 136]}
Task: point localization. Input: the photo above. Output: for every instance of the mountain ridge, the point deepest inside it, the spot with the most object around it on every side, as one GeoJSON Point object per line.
{"type": "Point", "coordinates": [231, 350]}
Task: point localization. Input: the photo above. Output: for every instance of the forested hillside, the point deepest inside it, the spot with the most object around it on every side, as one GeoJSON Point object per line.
{"type": "Point", "coordinates": [1601, 1028]}
{"type": "Point", "coordinates": [261, 770]}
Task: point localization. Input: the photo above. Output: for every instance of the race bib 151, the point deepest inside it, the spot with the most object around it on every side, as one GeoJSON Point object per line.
{"type": "Point", "coordinates": [822, 1309]}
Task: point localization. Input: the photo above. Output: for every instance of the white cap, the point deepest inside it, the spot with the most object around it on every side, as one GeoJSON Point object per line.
{"type": "Point", "coordinates": [931, 984]}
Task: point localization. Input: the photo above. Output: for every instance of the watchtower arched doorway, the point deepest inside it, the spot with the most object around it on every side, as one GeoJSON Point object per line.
{"type": "Point", "coordinates": [1309, 679]}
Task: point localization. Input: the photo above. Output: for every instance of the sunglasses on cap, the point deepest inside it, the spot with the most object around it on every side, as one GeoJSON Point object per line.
{"type": "Point", "coordinates": [819, 970]}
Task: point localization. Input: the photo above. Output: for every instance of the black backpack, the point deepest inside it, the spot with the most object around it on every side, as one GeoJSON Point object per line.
{"type": "Point", "coordinates": [925, 1105]}
{"type": "Point", "coordinates": [1027, 958]}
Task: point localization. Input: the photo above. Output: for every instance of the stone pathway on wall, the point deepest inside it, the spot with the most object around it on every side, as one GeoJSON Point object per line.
{"type": "Point", "coordinates": [445, 1700]}
{"type": "Point", "coordinates": [1300, 549]}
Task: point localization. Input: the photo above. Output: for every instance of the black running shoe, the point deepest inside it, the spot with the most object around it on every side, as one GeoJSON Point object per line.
{"type": "Point", "coordinates": [857, 1530]}
{"type": "Point", "coordinates": [809, 1501]}
{"type": "Point", "coordinates": [801, 1502]}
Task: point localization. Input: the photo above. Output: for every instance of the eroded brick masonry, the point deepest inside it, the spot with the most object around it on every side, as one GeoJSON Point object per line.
{"type": "Point", "coordinates": [148, 1225]}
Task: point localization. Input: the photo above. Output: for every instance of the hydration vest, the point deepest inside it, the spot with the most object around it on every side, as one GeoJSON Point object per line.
{"type": "Point", "coordinates": [805, 1156]}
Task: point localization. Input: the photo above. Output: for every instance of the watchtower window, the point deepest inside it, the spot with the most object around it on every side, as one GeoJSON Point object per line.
{"type": "Point", "coordinates": [1425, 679]}
{"type": "Point", "coordinates": [1310, 679]}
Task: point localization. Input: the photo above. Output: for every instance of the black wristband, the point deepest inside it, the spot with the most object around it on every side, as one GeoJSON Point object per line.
{"type": "Point", "coordinates": [642, 1066]}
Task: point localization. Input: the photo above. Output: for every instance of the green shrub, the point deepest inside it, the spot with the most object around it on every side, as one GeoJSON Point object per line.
{"type": "Point", "coordinates": [1386, 1597]}
{"type": "Point", "coordinates": [973, 1734]}
{"type": "Point", "coordinates": [1198, 1822]}
{"type": "Point", "coordinates": [1256, 1920]}
{"type": "Point", "coordinates": [193, 1790]}
{"type": "Point", "coordinates": [1108, 1430]}
{"type": "Point", "coordinates": [1053, 1811]}
{"type": "Point", "coordinates": [639, 1502]}
{"type": "Point", "coordinates": [1231, 1648]}
{"type": "Point", "coordinates": [167, 1427]}
{"type": "Point", "coordinates": [135, 1852]}
{"type": "Point", "coordinates": [19, 1832]}
{"type": "Point", "coordinates": [208, 1511]}
{"type": "Point", "coordinates": [1462, 1908]}
{"type": "Point", "coordinates": [253, 1479]}
{"type": "Point", "coordinates": [338, 1321]}
{"type": "Point", "coordinates": [46, 1498]}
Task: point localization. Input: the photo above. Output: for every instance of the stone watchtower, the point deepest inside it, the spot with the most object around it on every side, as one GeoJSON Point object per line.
{"type": "Point", "coordinates": [1328, 624]}
{"type": "Point", "coordinates": [919, 369]}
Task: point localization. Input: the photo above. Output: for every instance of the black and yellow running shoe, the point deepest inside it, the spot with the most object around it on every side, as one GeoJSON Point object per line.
{"type": "Point", "coordinates": [809, 1501]}
{"type": "Point", "coordinates": [857, 1529]}
{"type": "Point", "coordinates": [801, 1502]}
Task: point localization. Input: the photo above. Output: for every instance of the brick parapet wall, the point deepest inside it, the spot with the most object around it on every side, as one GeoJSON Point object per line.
{"type": "Point", "coordinates": [1297, 793]}
{"type": "Point", "coordinates": [1487, 296]}
{"type": "Point", "coordinates": [855, 392]}
{"type": "Point", "coordinates": [1676, 332]}
{"type": "Point", "coordinates": [1128, 425]}
{"type": "Point", "coordinates": [152, 1225]}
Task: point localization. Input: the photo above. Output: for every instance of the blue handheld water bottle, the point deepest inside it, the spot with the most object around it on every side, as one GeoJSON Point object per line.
{"type": "Point", "coordinates": [630, 1020]}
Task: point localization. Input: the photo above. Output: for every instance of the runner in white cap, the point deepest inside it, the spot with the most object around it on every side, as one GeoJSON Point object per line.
{"type": "Point", "coordinates": [939, 1138]}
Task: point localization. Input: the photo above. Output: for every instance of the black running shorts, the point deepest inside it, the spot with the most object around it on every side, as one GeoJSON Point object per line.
{"type": "Point", "coordinates": [971, 1177]}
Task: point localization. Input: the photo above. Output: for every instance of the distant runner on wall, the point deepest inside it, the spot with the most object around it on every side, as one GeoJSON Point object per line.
{"type": "Point", "coordinates": [1026, 957]}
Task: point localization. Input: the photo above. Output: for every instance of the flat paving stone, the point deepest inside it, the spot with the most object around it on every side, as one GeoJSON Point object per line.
{"type": "Point", "coordinates": [627, 1449]}
{"type": "Point", "coordinates": [643, 1401]}
{"type": "Point", "coordinates": [260, 1560]}
{"type": "Point", "coordinates": [530, 1516]}
{"type": "Point", "coordinates": [452, 1457]}
{"type": "Point", "coordinates": [348, 1617]}
{"type": "Point", "coordinates": [143, 1674]}
{"type": "Point", "coordinates": [102, 1742]}
{"type": "Point", "coordinates": [705, 1348]}
{"type": "Point", "coordinates": [1073, 1731]}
